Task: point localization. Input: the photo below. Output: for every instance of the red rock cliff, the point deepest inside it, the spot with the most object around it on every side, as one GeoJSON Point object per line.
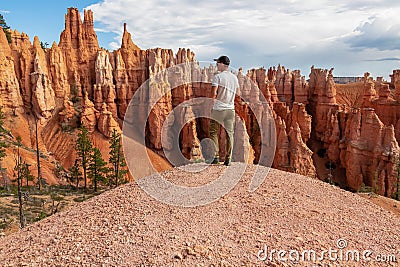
{"type": "Point", "coordinates": [316, 122]}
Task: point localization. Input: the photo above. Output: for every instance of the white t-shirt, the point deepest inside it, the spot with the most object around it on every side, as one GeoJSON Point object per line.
{"type": "Point", "coordinates": [227, 84]}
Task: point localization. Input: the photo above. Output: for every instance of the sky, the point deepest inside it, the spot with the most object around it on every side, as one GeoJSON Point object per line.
{"type": "Point", "coordinates": [352, 36]}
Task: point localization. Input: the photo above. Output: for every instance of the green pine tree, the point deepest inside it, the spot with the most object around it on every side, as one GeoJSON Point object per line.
{"type": "Point", "coordinates": [6, 28]}
{"type": "Point", "coordinates": [84, 148]}
{"type": "Point", "coordinates": [116, 160]}
{"type": "Point", "coordinates": [18, 174]}
{"type": "Point", "coordinates": [397, 193]}
{"type": "Point", "coordinates": [3, 145]}
{"type": "Point", "coordinates": [39, 172]}
{"type": "Point", "coordinates": [75, 174]}
{"type": "Point", "coordinates": [26, 173]}
{"type": "Point", "coordinates": [97, 170]}
{"type": "Point", "coordinates": [44, 45]}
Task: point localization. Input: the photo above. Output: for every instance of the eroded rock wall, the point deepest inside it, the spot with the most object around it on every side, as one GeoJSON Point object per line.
{"type": "Point", "coordinates": [77, 82]}
{"type": "Point", "coordinates": [362, 140]}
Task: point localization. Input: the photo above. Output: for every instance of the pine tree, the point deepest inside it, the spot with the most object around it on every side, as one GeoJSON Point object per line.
{"type": "Point", "coordinates": [75, 173]}
{"type": "Point", "coordinates": [84, 148]}
{"type": "Point", "coordinates": [44, 45]}
{"type": "Point", "coordinates": [26, 173]}
{"type": "Point", "coordinates": [18, 170]}
{"type": "Point", "coordinates": [40, 179]}
{"type": "Point", "coordinates": [97, 170]}
{"type": "Point", "coordinates": [3, 144]}
{"type": "Point", "coordinates": [116, 159]}
{"type": "Point", "coordinates": [6, 28]}
{"type": "Point", "coordinates": [397, 193]}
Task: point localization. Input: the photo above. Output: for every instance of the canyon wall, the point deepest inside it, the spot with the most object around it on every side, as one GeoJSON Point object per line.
{"type": "Point", "coordinates": [321, 129]}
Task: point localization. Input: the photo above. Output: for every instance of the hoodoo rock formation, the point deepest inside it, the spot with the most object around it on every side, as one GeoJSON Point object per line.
{"type": "Point", "coordinates": [43, 101]}
{"type": "Point", "coordinates": [360, 142]}
{"type": "Point", "coordinates": [79, 43]}
{"type": "Point", "coordinates": [320, 127]}
{"type": "Point", "coordinates": [9, 85]}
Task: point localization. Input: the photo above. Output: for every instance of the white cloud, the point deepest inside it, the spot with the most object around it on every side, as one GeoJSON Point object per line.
{"type": "Point", "coordinates": [255, 33]}
{"type": "Point", "coordinates": [382, 33]}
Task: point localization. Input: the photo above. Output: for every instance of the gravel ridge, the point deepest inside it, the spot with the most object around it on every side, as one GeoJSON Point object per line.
{"type": "Point", "coordinates": [288, 212]}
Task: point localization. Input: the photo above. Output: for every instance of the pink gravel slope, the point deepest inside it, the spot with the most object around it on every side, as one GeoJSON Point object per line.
{"type": "Point", "coordinates": [288, 212]}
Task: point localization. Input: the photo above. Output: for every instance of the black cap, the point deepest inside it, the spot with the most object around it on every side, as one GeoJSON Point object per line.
{"type": "Point", "coordinates": [223, 59]}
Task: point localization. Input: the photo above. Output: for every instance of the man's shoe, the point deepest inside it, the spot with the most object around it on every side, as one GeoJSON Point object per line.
{"type": "Point", "coordinates": [215, 161]}
{"type": "Point", "coordinates": [212, 161]}
{"type": "Point", "coordinates": [227, 162]}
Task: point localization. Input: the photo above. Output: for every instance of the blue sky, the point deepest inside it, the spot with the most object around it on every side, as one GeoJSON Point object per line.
{"type": "Point", "coordinates": [351, 36]}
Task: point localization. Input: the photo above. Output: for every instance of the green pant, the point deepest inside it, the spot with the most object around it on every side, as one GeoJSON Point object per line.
{"type": "Point", "coordinates": [227, 119]}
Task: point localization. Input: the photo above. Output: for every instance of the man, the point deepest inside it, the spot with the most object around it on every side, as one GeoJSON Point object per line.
{"type": "Point", "coordinates": [224, 86]}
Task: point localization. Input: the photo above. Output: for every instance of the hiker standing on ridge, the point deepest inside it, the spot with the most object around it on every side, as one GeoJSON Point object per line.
{"type": "Point", "coordinates": [224, 86]}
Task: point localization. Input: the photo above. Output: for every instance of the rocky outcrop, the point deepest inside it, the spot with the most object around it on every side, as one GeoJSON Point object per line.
{"type": "Point", "coordinates": [19, 40]}
{"type": "Point", "coordinates": [130, 70]}
{"type": "Point", "coordinates": [395, 81]}
{"type": "Point", "coordinates": [243, 151]}
{"type": "Point", "coordinates": [89, 117]}
{"type": "Point", "coordinates": [122, 85]}
{"type": "Point", "coordinates": [106, 123]}
{"type": "Point", "coordinates": [323, 98]}
{"type": "Point", "coordinates": [185, 120]}
{"type": "Point", "coordinates": [385, 106]}
{"type": "Point", "coordinates": [43, 98]}
{"type": "Point", "coordinates": [300, 155]}
{"type": "Point", "coordinates": [10, 96]}
{"type": "Point", "coordinates": [299, 116]}
{"type": "Point", "coordinates": [300, 88]}
{"type": "Point", "coordinates": [68, 114]}
{"type": "Point", "coordinates": [104, 89]}
{"type": "Point", "coordinates": [292, 153]}
{"type": "Point", "coordinates": [369, 152]}
{"type": "Point", "coordinates": [79, 43]}
{"type": "Point", "coordinates": [363, 141]}
{"type": "Point", "coordinates": [281, 159]}
{"type": "Point", "coordinates": [279, 88]}
{"type": "Point", "coordinates": [23, 64]}
{"type": "Point", "coordinates": [332, 137]}
{"type": "Point", "coordinates": [259, 78]}
{"type": "Point", "coordinates": [58, 72]}
{"type": "Point", "coordinates": [369, 94]}
{"type": "Point", "coordinates": [290, 86]}
{"type": "Point", "coordinates": [77, 82]}
{"type": "Point", "coordinates": [272, 91]}
{"type": "Point", "coordinates": [279, 82]}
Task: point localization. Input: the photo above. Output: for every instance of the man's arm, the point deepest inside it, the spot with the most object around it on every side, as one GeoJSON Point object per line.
{"type": "Point", "coordinates": [214, 90]}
